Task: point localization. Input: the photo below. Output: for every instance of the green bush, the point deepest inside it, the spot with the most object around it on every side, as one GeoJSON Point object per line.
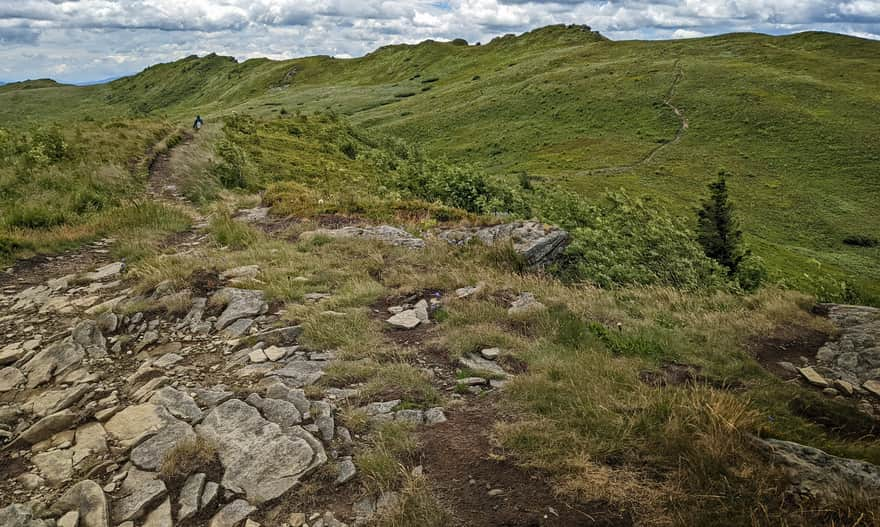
{"type": "Point", "coordinates": [631, 242]}
{"type": "Point", "coordinates": [34, 216]}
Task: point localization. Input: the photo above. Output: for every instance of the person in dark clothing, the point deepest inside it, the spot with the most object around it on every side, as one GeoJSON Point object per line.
{"type": "Point", "coordinates": [198, 124]}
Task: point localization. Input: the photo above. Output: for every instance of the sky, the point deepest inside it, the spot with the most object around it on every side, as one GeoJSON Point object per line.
{"type": "Point", "coordinates": [88, 40]}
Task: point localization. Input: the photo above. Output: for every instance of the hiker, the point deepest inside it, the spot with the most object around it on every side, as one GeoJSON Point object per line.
{"type": "Point", "coordinates": [198, 124]}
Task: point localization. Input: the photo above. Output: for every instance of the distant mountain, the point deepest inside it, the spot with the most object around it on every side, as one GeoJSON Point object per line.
{"type": "Point", "coordinates": [95, 83]}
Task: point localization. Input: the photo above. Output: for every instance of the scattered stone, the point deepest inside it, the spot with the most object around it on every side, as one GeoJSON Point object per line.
{"type": "Point", "coordinates": [20, 515]}
{"type": "Point", "coordinates": [30, 481]}
{"type": "Point", "coordinates": [10, 379]}
{"type": "Point", "coordinates": [813, 377]}
{"type": "Point", "coordinates": [91, 440]}
{"type": "Point", "coordinates": [380, 407]}
{"type": "Point", "coordinates": [281, 412]}
{"type": "Point", "coordinates": [254, 215]}
{"type": "Point", "coordinates": [408, 319]}
{"type": "Point", "coordinates": [87, 335]}
{"type": "Point", "coordinates": [872, 386]}
{"type": "Point", "coordinates": [490, 353]}
{"type": "Point", "coordinates": [539, 244]}
{"type": "Point", "coordinates": [296, 519]}
{"type": "Point", "coordinates": [232, 514]}
{"type": "Point", "coordinates": [48, 426]}
{"type": "Point", "coordinates": [345, 470]}
{"type": "Point", "coordinates": [188, 502]}
{"type": "Point", "coordinates": [167, 360]}
{"type": "Point", "coordinates": [471, 381]}
{"type": "Point", "coordinates": [209, 495]}
{"type": "Point", "coordinates": [240, 303]}
{"type": "Point", "coordinates": [161, 516]}
{"type": "Point", "coordinates": [464, 292]}
{"type": "Point", "coordinates": [178, 403]}
{"type": "Point", "coordinates": [525, 303]}
{"type": "Point", "coordinates": [274, 353]}
{"type": "Point", "coordinates": [495, 492]}
{"type": "Point", "coordinates": [844, 387]}
{"type": "Point", "coordinates": [150, 454]}
{"type": "Point", "coordinates": [70, 519]}
{"type": "Point", "coordinates": [416, 417]}
{"type": "Point", "coordinates": [238, 328]}
{"type": "Point", "coordinates": [88, 500]}
{"type": "Point", "coordinates": [54, 360]}
{"type": "Point", "coordinates": [257, 356]}
{"type": "Point", "coordinates": [299, 373]}
{"type": "Point", "coordinates": [434, 416]}
{"type": "Point", "coordinates": [105, 272]}
{"type": "Point", "coordinates": [241, 274]}
{"type": "Point", "coordinates": [139, 491]}
{"type": "Point", "coordinates": [134, 424]}
{"type": "Point", "coordinates": [56, 466]}
{"type": "Point", "coordinates": [479, 364]}
{"type": "Point", "coordinates": [280, 337]}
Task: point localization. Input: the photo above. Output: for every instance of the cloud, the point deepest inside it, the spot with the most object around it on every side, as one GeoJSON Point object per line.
{"type": "Point", "coordinates": [104, 38]}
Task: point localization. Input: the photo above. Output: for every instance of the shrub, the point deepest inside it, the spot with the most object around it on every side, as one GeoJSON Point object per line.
{"type": "Point", "coordinates": [33, 216]}
{"type": "Point", "coordinates": [187, 457]}
{"type": "Point", "coordinates": [859, 240]}
{"type": "Point", "coordinates": [630, 242]}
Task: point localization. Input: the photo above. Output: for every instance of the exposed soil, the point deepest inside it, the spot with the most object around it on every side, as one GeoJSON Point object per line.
{"type": "Point", "coordinates": [459, 451]}
{"type": "Point", "coordinates": [787, 344]}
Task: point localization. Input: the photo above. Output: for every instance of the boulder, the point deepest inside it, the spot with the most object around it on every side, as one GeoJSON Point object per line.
{"type": "Point", "coordinates": [55, 465]}
{"type": "Point", "coordinates": [87, 335]}
{"type": "Point", "coordinates": [160, 516]}
{"type": "Point", "coordinates": [818, 475]}
{"type": "Point", "coordinates": [538, 244]}
{"type": "Point", "coordinates": [20, 515]}
{"type": "Point", "coordinates": [259, 459]}
{"type": "Point", "coordinates": [90, 440]}
{"type": "Point", "coordinates": [813, 377]}
{"type": "Point", "coordinates": [479, 364]}
{"type": "Point", "coordinates": [408, 319]}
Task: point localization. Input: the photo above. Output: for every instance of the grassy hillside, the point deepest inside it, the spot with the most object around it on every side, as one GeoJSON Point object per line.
{"type": "Point", "coordinates": [790, 118]}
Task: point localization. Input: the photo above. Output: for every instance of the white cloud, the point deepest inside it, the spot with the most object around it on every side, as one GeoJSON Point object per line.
{"type": "Point", "coordinates": [102, 38]}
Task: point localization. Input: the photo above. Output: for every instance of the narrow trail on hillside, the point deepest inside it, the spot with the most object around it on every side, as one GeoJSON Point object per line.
{"type": "Point", "coordinates": [647, 158]}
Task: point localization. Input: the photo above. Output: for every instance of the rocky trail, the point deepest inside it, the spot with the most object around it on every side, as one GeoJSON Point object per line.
{"type": "Point", "coordinates": [114, 412]}
{"type": "Point", "coordinates": [647, 158]}
{"type": "Point", "coordinates": [124, 407]}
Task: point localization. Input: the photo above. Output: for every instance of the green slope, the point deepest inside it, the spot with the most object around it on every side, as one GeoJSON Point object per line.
{"type": "Point", "coordinates": [792, 118]}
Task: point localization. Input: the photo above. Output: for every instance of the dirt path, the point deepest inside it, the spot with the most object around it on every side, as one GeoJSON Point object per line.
{"type": "Point", "coordinates": [679, 133]}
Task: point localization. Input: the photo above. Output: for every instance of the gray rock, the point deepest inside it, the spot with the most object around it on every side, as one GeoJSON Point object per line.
{"type": "Point", "coordinates": [56, 466]}
{"type": "Point", "coordinates": [380, 407]}
{"type": "Point", "coordinates": [280, 337]}
{"type": "Point", "coordinates": [408, 319]}
{"type": "Point", "coordinates": [87, 335]}
{"type": "Point", "coordinates": [322, 413]}
{"type": "Point", "coordinates": [178, 403]}
{"type": "Point", "coordinates": [150, 454]}
{"type": "Point", "coordinates": [283, 413]}
{"type": "Point", "coordinates": [188, 502]}
{"type": "Point", "coordinates": [259, 459]}
{"type": "Point", "coordinates": [20, 515]}
{"type": "Point", "coordinates": [819, 475]}
{"type": "Point", "coordinates": [813, 377]}
{"type": "Point", "coordinates": [70, 519]}
{"type": "Point", "coordinates": [10, 379]}
{"type": "Point", "coordinates": [140, 491]}
{"type": "Point", "coordinates": [232, 514]}
{"type": "Point", "coordinates": [421, 311]}
{"type": "Point", "coordinates": [167, 360]}
{"type": "Point", "coordinates": [209, 495]}
{"type": "Point", "coordinates": [105, 272]}
{"type": "Point", "coordinates": [238, 328]}
{"type": "Point", "coordinates": [160, 516]}
{"type": "Point", "coordinates": [539, 244]}
{"type": "Point", "coordinates": [240, 303]}
{"type": "Point", "coordinates": [434, 416]}
{"type": "Point", "coordinates": [210, 398]}
{"type": "Point", "coordinates": [481, 365]}
{"type": "Point", "coordinates": [490, 353]}
{"type": "Point", "coordinates": [345, 470]}
{"type": "Point", "coordinates": [56, 400]}
{"type": "Point", "coordinates": [90, 440]}
{"type": "Point", "coordinates": [525, 303]}
{"type": "Point", "coordinates": [48, 426]}
{"type": "Point", "coordinates": [254, 215]}
{"type": "Point", "coordinates": [415, 417]}
{"type": "Point", "coordinates": [299, 373]}
{"type": "Point", "coordinates": [108, 322]}
{"type": "Point", "coordinates": [54, 360]}
{"type": "Point", "coordinates": [384, 233]}
{"type": "Point", "coordinates": [136, 423]}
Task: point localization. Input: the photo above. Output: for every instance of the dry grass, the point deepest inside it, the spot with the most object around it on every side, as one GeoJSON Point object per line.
{"type": "Point", "coordinates": [416, 506]}
{"type": "Point", "coordinates": [187, 457]}
{"type": "Point", "coordinates": [381, 463]}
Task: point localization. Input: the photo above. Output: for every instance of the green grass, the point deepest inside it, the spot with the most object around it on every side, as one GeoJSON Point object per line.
{"type": "Point", "coordinates": [790, 117]}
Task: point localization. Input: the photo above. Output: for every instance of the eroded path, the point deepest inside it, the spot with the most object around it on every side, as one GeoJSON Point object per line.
{"type": "Point", "coordinates": [649, 157]}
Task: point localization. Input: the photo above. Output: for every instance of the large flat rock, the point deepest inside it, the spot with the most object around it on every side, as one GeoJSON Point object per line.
{"type": "Point", "coordinates": [259, 459]}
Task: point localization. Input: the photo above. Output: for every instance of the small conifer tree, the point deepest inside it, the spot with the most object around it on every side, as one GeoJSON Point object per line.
{"type": "Point", "coordinates": [717, 228]}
